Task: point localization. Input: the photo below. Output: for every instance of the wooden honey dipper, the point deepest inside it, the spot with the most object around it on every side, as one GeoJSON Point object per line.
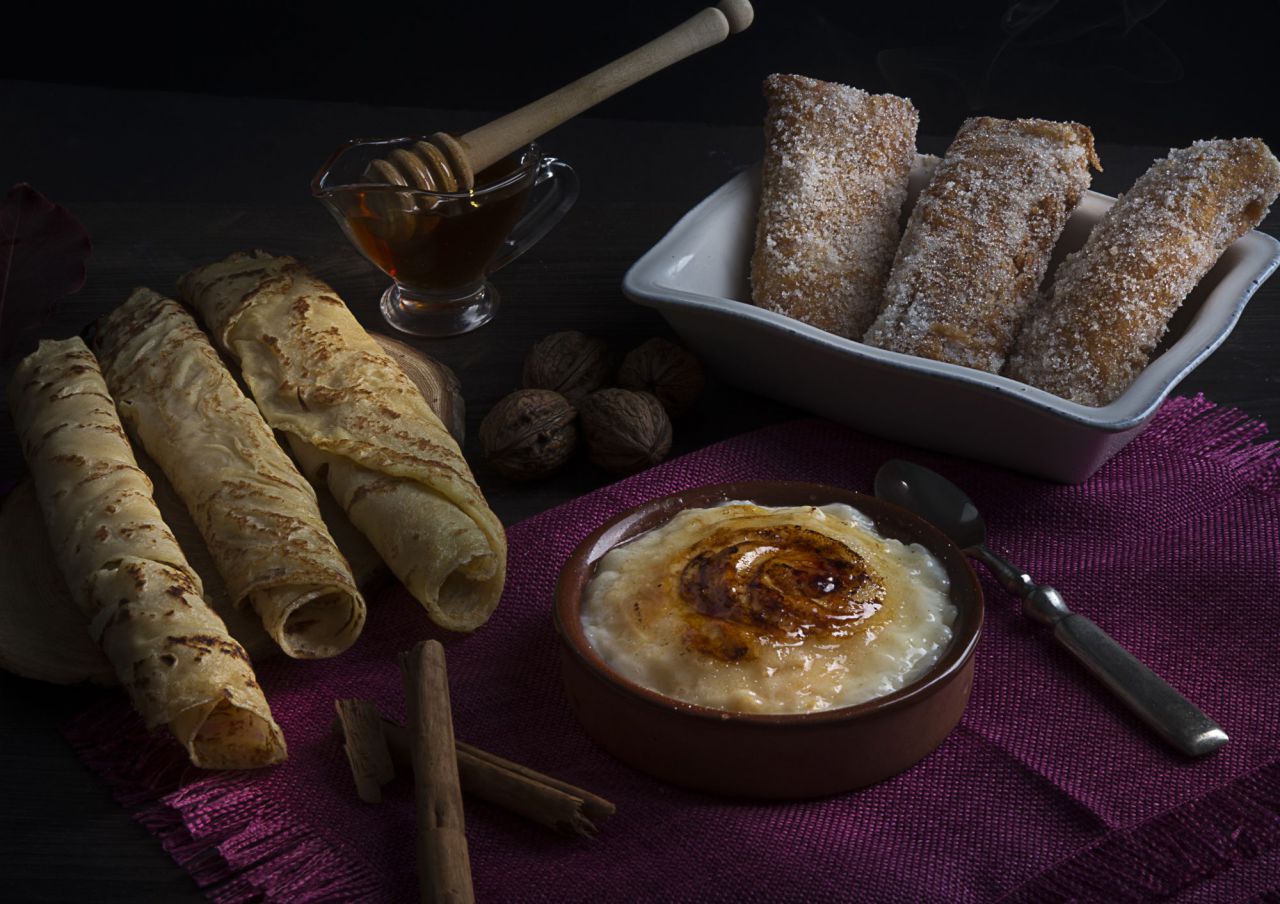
{"type": "Point", "coordinates": [449, 164]}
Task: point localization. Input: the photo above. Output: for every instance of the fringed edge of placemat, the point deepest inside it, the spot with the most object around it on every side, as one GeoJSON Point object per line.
{"type": "Point", "coordinates": [1173, 852]}
{"type": "Point", "coordinates": [236, 843]}
{"type": "Point", "coordinates": [1220, 434]}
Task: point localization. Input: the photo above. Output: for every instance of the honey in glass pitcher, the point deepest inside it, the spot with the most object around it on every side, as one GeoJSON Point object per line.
{"type": "Point", "coordinates": [440, 247]}
{"type": "Point", "coordinates": [433, 243]}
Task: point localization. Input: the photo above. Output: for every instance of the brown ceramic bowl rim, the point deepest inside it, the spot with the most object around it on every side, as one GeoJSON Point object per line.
{"type": "Point", "coordinates": [581, 564]}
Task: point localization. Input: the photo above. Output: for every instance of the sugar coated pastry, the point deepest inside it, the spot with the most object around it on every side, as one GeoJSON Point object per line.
{"type": "Point", "coordinates": [835, 175]}
{"type": "Point", "coordinates": [1090, 336]}
{"type": "Point", "coordinates": [979, 239]}
{"type": "Point", "coordinates": [126, 571]}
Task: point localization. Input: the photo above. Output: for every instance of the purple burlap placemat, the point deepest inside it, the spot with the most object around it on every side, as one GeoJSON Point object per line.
{"type": "Point", "coordinates": [1047, 790]}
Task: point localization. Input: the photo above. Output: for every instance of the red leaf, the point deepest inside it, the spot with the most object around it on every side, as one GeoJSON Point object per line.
{"type": "Point", "coordinates": [43, 249]}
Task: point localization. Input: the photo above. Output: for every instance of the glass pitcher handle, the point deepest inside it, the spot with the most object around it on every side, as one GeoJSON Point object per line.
{"type": "Point", "coordinates": [554, 190]}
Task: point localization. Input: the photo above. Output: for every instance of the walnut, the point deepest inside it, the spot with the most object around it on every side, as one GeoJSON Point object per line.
{"type": "Point", "coordinates": [667, 370]}
{"type": "Point", "coordinates": [625, 430]}
{"type": "Point", "coordinates": [529, 434]}
{"type": "Point", "coordinates": [570, 363]}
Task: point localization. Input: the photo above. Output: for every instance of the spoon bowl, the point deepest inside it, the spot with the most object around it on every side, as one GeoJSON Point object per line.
{"type": "Point", "coordinates": [928, 493]}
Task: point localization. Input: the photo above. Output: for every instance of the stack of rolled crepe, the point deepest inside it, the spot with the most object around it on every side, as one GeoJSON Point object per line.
{"type": "Point", "coordinates": [257, 514]}
{"type": "Point", "coordinates": [126, 571]}
{"type": "Point", "coordinates": [356, 422]}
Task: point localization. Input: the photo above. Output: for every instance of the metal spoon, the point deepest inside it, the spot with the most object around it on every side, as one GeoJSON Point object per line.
{"type": "Point", "coordinates": [1171, 715]}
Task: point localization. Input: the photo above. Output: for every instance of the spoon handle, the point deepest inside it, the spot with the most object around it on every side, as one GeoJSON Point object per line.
{"type": "Point", "coordinates": [1152, 699]}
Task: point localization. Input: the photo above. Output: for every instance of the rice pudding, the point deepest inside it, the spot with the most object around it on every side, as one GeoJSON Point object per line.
{"type": "Point", "coordinates": [756, 609]}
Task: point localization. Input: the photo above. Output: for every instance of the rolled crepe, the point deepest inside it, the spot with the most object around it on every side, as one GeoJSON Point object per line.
{"type": "Point", "coordinates": [257, 514]}
{"type": "Point", "coordinates": [356, 422]}
{"type": "Point", "coordinates": [126, 571]}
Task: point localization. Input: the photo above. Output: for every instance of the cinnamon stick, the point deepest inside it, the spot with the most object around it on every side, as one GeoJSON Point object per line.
{"type": "Point", "coordinates": [545, 800]}
{"type": "Point", "coordinates": [444, 867]}
{"type": "Point", "coordinates": [593, 805]}
{"type": "Point", "coordinates": [366, 746]}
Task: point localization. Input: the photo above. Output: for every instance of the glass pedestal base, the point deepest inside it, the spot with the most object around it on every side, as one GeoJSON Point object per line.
{"type": "Point", "coordinates": [438, 316]}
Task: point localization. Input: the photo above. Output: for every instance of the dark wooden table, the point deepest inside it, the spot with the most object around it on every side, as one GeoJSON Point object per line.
{"type": "Point", "coordinates": [166, 182]}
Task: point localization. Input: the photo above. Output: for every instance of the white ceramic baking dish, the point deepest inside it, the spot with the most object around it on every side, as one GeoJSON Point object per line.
{"type": "Point", "coordinates": [696, 276]}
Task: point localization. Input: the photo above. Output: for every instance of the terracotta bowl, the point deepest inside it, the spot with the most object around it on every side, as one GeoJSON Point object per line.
{"type": "Point", "coordinates": [766, 756]}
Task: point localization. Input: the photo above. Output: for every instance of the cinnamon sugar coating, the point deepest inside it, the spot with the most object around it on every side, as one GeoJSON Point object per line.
{"type": "Point", "coordinates": [1091, 335]}
{"type": "Point", "coordinates": [835, 175]}
{"type": "Point", "coordinates": [979, 240]}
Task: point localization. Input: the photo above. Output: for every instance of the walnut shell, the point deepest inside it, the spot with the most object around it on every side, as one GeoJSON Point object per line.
{"type": "Point", "coordinates": [570, 363]}
{"type": "Point", "coordinates": [529, 433]}
{"type": "Point", "coordinates": [667, 370]}
{"type": "Point", "coordinates": [625, 430]}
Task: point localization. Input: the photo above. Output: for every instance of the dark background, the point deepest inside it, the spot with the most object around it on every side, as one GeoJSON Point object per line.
{"type": "Point", "coordinates": [1137, 71]}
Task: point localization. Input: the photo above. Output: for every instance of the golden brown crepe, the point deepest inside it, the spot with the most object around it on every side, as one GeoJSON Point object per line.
{"type": "Point", "coordinates": [355, 421]}
{"type": "Point", "coordinates": [126, 571]}
{"type": "Point", "coordinates": [257, 514]}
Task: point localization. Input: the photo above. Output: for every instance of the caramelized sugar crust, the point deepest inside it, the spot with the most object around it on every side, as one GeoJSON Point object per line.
{"type": "Point", "coordinates": [776, 583]}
